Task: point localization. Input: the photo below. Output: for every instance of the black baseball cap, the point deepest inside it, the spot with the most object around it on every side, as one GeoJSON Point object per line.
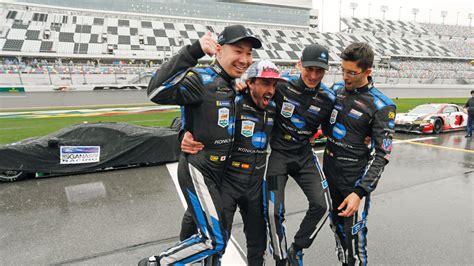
{"type": "Point", "coordinates": [315, 55]}
{"type": "Point", "coordinates": [235, 33]}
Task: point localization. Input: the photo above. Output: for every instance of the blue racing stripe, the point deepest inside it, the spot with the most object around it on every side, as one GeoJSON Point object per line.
{"type": "Point", "coordinates": [216, 229]}
{"type": "Point", "coordinates": [198, 211]}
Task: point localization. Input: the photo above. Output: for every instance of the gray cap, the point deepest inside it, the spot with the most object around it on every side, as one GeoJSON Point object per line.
{"type": "Point", "coordinates": [315, 55]}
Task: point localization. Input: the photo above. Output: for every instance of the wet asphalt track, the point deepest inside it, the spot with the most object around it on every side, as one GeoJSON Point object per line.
{"type": "Point", "coordinates": [422, 213]}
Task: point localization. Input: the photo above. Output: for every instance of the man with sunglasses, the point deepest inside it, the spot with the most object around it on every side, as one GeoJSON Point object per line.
{"type": "Point", "coordinates": [352, 168]}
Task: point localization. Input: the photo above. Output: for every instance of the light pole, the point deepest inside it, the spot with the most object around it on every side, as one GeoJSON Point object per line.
{"type": "Point", "coordinates": [353, 6]}
{"type": "Point", "coordinates": [429, 17]}
{"type": "Point", "coordinates": [444, 14]}
{"type": "Point", "coordinates": [399, 13]}
{"type": "Point", "coordinates": [369, 8]}
{"type": "Point", "coordinates": [470, 16]}
{"type": "Point", "coordinates": [414, 11]}
{"type": "Point", "coordinates": [383, 9]}
{"type": "Point", "coordinates": [457, 18]}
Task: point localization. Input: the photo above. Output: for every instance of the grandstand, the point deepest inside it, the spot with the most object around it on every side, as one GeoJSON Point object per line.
{"type": "Point", "coordinates": [125, 47]}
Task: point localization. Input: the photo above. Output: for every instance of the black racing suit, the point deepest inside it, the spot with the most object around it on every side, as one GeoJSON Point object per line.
{"type": "Point", "coordinates": [242, 182]}
{"type": "Point", "coordinates": [207, 96]}
{"type": "Point", "coordinates": [351, 165]}
{"type": "Point", "coordinates": [301, 111]}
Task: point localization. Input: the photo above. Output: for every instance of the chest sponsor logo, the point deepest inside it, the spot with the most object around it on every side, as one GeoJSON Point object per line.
{"type": "Point", "coordinates": [338, 107]}
{"type": "Point", "coordinates": [223, 103]}
{"type": "Point", "coordinates": [287, 109]}
{"type": "Point", "coordinates": [223, 117]}
{"type": "Point", "coordinates": [249, 117]}
{"type": "Point", "coordinates": [361, 104]}
{"type": "Point", "coordinates": [387, 144]}
{"type": "Point", "coordinates": [324, 183]}
{"type": "Point", "coordinates": [355, 114]}
{"type": "Point", "coordinates": [286, 99]}
{"type": "Point", "coordinates": [314, 109]}
{"type": "Point", "coordinates": [298, 121]}
{"type": "Point", "coordinates": [247, 128]}
{"type": "Point", "coordinates": [270, 121]}
{"type": "Point", "coordinates": [339, 131]}
{"type": "Point", "coordinates": [334, 113]}
{"type": "Point", "coordinates": [259, 140]}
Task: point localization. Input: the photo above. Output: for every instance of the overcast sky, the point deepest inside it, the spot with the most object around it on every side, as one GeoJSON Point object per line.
{"type": "Point", "coordinates": [457, 10]}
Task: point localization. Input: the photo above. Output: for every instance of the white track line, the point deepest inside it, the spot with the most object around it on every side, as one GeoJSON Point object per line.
{"type": "Point", "coordinates": [233, 252]}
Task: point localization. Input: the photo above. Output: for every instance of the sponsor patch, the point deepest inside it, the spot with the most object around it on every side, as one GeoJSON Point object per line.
{"type": "Point", "coordinates": [391, 115]}
{"type": "Point", "coordinates": [235, 164]}
{"type": "Point", "coordinates": [324, 183]}
{"type": "Point", "coordinates": [223, 117]}
{"type": "Point", "coordinates": [338, 107]}
{"type": "Point", "coordinates": [259, 140]}
{"type": "Point", "coordinates": [249, 117]}
{"type": "Point", "coordinates": [355, 114]}
{"type": "Point", "coordinates": [332, 120]}
{"type": "Point", "coordinates": [391, 124]}
{"type": "Point", "coordinates": [358, 226]}
{"type": "Point", "coordinates": [339, 131]}
{"type": "Point", "coordinates": [245, 166]}
{"type": "Point", "coordinates": [298, 121]}
{"type": "Point", "coordinates": [287, 137]}
{"type": "Point", "coordinates": [214, 158]}
{"type": "Point", "coordinates": [270, 121]}
{"type": "Point", "coordinates": [190, 73]}
{"type": "Point", "coordinates": [295, 103]}
{"type": "Point", "coordinates": [247, 128]}
{"type": "Point", "coordinates": [387, 144]}
{"type": "Point", "coordinates": [223, 103]}
{"type": "Point", "coordinates": [314, 109]}
{"type": "Point", "coordinates": [287, 109]}
{"type": "Point", "coordinates": [79, 154]}
{"type": "Point", "coordinates": [222, 158]}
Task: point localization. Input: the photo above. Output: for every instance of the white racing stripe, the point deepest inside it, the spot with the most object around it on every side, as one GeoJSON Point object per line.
{"type": "Point", "coordinates": [233, 252]}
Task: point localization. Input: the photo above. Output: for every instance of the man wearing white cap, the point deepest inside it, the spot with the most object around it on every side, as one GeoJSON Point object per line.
{"type": "Point", "coordinates": [242, 182]}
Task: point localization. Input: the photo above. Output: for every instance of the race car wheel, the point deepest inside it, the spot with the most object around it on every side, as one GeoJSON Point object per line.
{"type": "Point", "coordinates": [12, 175]}
{"type": "Point", "coordinates": [437, 126]}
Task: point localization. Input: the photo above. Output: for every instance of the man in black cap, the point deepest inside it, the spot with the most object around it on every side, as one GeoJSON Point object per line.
{"type": "Point", "coordinates": [302, 105]}
{"type": "Point", "coordinates": [206, 95]}
{"type": "Point", "coordinates": [469, 106]}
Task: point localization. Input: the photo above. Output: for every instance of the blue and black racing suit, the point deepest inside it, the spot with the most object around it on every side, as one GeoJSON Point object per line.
{"type": "Point", "coordinates": [300, 111]}
{"type": "Point", "coordinates": [351, 165]}
{"type": "Point", "coordinates": [206, 95]}
{"type": "Point", "coordinates": [242, 183]}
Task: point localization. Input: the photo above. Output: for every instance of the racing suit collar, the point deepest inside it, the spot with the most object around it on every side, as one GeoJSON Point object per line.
{"type": "Point", "coordinates": [219, 70]}
{"type": "Point", "coordinates": [367, 86]}
{"type": "Point", "coordinates": [302, 87]}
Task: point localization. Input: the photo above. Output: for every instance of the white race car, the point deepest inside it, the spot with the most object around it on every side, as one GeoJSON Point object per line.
{"type": "Point", "coordinates": [432, 118]}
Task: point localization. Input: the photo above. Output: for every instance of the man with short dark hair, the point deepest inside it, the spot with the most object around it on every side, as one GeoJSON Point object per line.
{"type": "Point", "coordinates": [469, 106]}
{"type": "Point", "coordinates": [302, 105]}
{"type": "Point", "coordinates": [206, 95]}
{"type": "Point", "coordinates": [242, 183]}
{"type": "Point", "coordinates": [351, 167]}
